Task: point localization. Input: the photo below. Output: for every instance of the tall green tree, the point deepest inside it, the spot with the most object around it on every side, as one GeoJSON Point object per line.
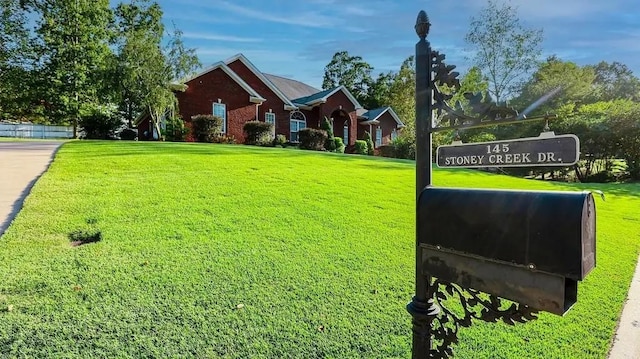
{"type": "Point", "coordinates": [606, 130]}
{"type": "Point", "coordinates": [182, 61]}
{"type": "Point", "coordinates": [350, 71]}
{"type": "Point", "coordinates": [74, 48]}
{"type": "Point", "coordinates": [402, 95]}
{"type": "Point", "coordinates": [15, 60]}
{"type": "Point", "coordinates": [148, 71]}
{"type": "Point", "coordinates": [504, 49]}
{"type": "Point", "coordinates": [569, 83]}
{"type": "Point", "coordinates": [615, 81]}
{"type": "Point", "coordinates": [139, 33]}
{"type": "Point", "coordinates": [378, 93]}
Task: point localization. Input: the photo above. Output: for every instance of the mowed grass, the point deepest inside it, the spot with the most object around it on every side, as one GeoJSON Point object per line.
{"type": "Point", "coordinates": [215, 251]}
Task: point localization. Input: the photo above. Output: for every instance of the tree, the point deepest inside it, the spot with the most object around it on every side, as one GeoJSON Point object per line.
{"type": "Point", "coordinates": [147, 71]}
{"type": "Point", "coordinates": [15, 60]}
{"type": "Point", "coordinates": [182, 62]}
{"type": "Point", "coordinates": [615, 81]}
{"type": "Point", "coordinates": [139, 34]}
{"type": "Point", "coordinates": [626, 127]}
{"type": "Point", "coordinates": [504, 49]}
{"type": "Point", "coordinates": [607, 130]}
{"type": "Point", "coordinates": [402, 95]}
{"type": "Point", "coordinates": [349, 71]}
{"type": "Point", "coordinates": [74, 47]}
{"type": "Point", "coordinates": [378, 93]}
{"type": "Point", "coordinates": [573, 82]}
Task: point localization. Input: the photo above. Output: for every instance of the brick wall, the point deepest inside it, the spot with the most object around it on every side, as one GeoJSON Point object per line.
{"type": "Point", "coordinates": [272, 102]}
{"type": "Point", "coordinates": [333, 103]}
{"type": "Point", "coordinates": [203, 91]}
{"type": "Point", "coordinates": [388, 124]}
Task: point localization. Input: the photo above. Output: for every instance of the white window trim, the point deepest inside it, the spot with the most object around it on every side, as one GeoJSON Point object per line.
{"type": "Point", "coordinates": [298, 127]}
{"type": "Point", "coordinates": [394, 134]}
{"type": "Point", "coordinates": [270, 117]}
{"type": "Point", "coordinates": [378, 139]}
{"type": "Point", "coordinates": [345, 133]}
{"type": "Point", "coordinates": [224, 118]}
{"type": "Point", "coordinates": [299, 121]}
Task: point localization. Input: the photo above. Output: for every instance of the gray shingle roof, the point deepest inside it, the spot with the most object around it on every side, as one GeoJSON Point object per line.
{"type": "Point", "coordinates": [291, 88]}
{"type": "Point", "coordinates": [314, 96]}
{"type": "Point", "coordinates": [372, 114]}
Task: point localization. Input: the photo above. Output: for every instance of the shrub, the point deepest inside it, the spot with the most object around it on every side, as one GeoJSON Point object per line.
{"type": "Point", "coordinates": [99, 122]}
{"type": "Point", "coordinates": [206, 127]}
{"type": "Point", "coordinates": [128, 134]}
{"type": "Point", "coordinates": [360, 147]}
{"type": "Point", "coordinates": [226, 139]}
{"type": "Point", "coordinates": [312, 139]}
{"type": "Point", "coordinates": [329, 143]}
{"type": "Point", "coordinates": [257, 133]}
{"type": "Point", "coordinates": [280, 140]}
{"type": "Point", "coordinates": [367, 138]}
{"type": "Point", "coordinates": [404, 147]}
{"type": "Point", "coordinates": [386, 151]}
{"type": "Point", "coordinates": [339, 145]}
{"type": "Point", "coordinates": [176, 131]}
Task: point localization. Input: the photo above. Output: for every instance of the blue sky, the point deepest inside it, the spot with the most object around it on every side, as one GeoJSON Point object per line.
{"type": "Point", "coordinates": [297, 38]}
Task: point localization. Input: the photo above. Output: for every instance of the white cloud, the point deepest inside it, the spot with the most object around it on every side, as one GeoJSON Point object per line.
{"type": "Point", "coordinates": [215, 54]}
{"type": "Point", "coordinates": [357, 10]}
{"type": "Point", "coordinates": [217, 37]}
{"type": "Point", "coordinates": [307, 19]}
{"type": "Point", "coordinates": [554, 9]}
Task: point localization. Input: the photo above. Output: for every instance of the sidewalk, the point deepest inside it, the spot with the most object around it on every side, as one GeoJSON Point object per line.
{"type": "Point", "coordinates": [21, 164]}
{"type": "Point", "coordinates": [626, 343]}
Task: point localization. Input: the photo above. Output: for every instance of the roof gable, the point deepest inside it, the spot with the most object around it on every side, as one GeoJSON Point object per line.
{"type": "Point", "coordinates": [253, 95]}
{"type": "Point", "coordinates": [322, 97]}
{"type": "Point", "coordinates": [240, 57]}
{"type": "Point", "coordinates": [373, 115]}
{"type": "Point", "coordinates": [313, 97]}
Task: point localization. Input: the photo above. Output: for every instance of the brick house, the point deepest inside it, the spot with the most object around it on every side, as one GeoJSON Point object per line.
{"type": "Point", "coordinates": [238, 92]}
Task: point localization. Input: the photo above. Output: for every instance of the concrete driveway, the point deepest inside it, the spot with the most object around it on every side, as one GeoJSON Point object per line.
{"type": "Point", "coordinates": [21, 164]}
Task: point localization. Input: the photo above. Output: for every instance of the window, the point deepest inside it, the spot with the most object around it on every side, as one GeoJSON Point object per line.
{"type": "Point", "coordinates": [270, 117]}
{"type": "Point", "coordinates": [394, 134]}
{"type": "Point", "coordinates": [378, 136]}
{"type": "Point", "coordinates": [297, 122]}
{"type": "Point", "coordinates": [220, 110]}
{"type": "Point", "coordinates": [345, 133]}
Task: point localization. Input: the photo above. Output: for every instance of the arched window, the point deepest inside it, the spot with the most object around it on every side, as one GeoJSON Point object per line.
{"type": "Point", "coordinates": [297, 122]}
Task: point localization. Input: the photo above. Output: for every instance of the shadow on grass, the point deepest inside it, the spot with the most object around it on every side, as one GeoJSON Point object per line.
{"type": "Point", "coordinates": [81, 237]}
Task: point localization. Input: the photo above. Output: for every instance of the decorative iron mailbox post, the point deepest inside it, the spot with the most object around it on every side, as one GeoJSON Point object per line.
{"type": "Point", "coordinates": [529, 247]}
{"type": "Point", "coordinates": [474, 246]}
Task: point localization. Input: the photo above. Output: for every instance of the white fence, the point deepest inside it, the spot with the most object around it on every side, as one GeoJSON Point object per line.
{"type": "Point", "coordinates": [25, 130]}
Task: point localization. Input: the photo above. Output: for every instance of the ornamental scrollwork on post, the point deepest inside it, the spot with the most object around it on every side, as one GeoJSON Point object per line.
{"type": "Point", "coordinates": [475, 305]}
{"type": "Point", "coordinates": [485, 111]}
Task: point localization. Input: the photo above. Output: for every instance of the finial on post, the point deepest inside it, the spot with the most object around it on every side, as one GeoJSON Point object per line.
{"type": "Point", "coordinates": [422, 25]}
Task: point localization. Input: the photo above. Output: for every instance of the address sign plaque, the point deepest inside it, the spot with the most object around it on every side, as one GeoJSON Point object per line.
{"type": "Point", "coordinates": [546, 150]}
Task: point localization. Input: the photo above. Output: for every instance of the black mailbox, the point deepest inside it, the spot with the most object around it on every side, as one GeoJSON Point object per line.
{"type": "Point", "coordinates": [528, 246]}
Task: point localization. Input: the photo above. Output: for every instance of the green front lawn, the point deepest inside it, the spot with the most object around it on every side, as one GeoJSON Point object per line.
{"type": "Point", "coordinates": [217, 251]}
